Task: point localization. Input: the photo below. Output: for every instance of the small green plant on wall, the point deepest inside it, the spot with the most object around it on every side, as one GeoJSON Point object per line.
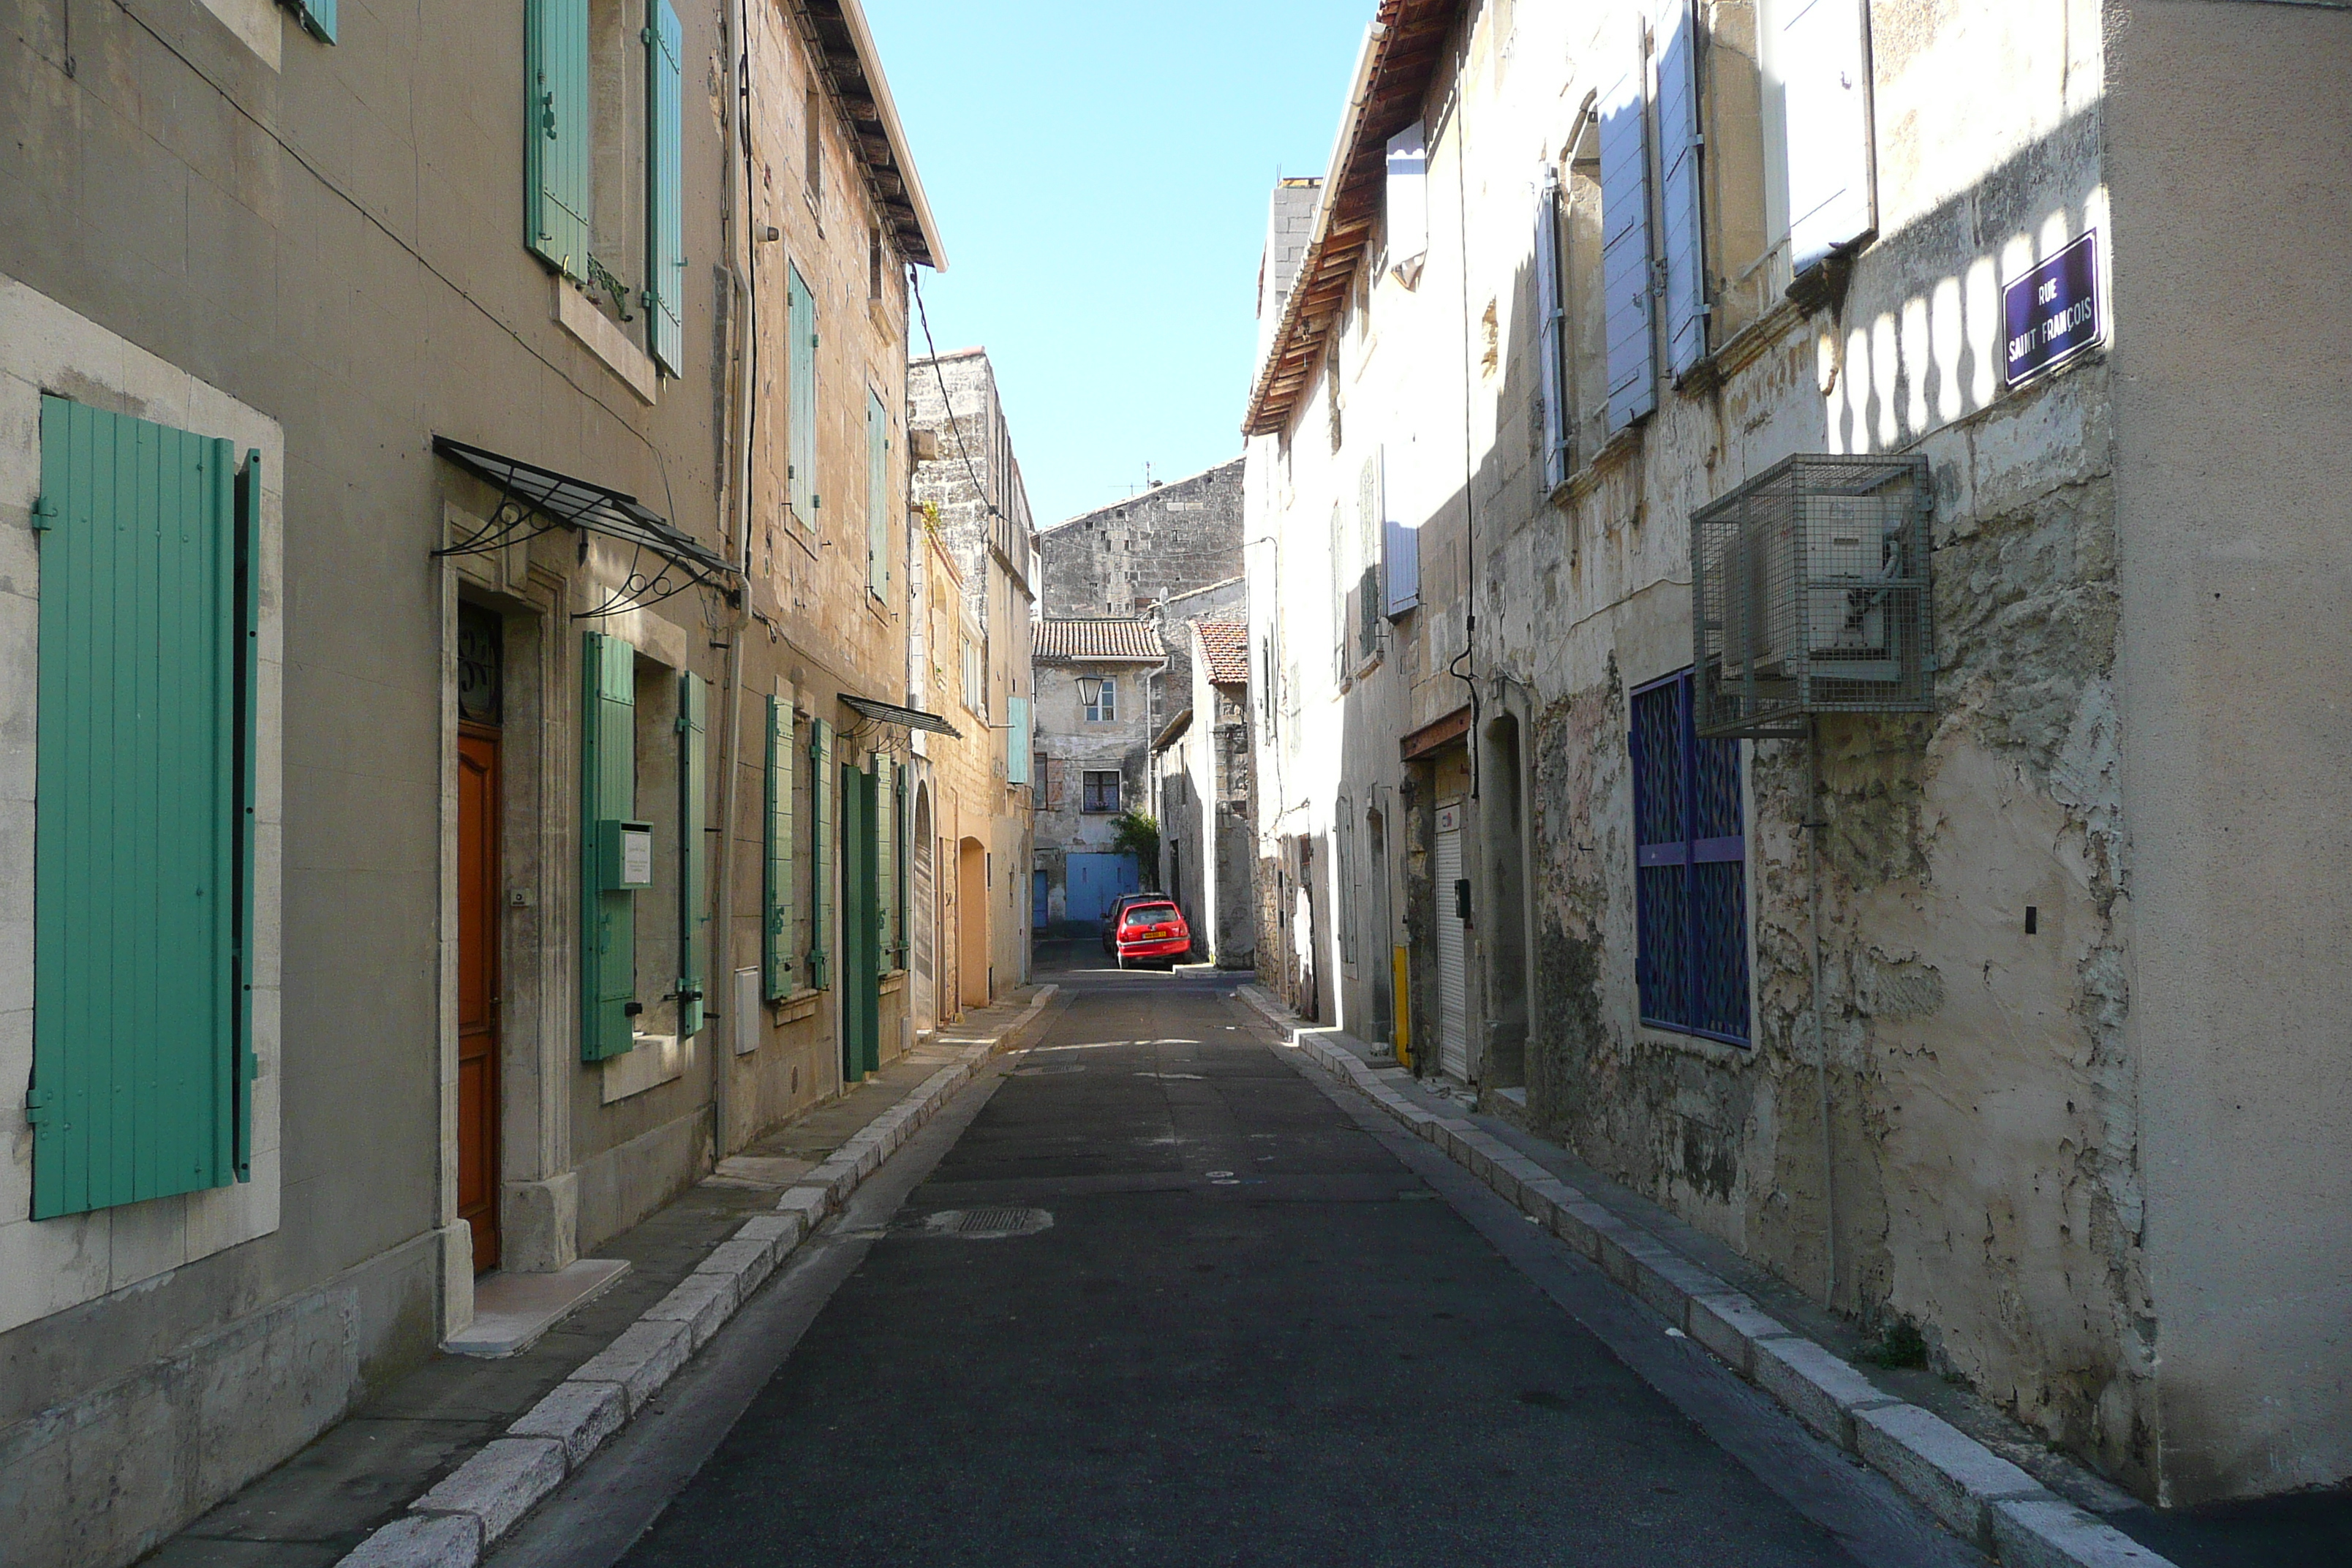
{"type": "Point", "coordinates": [1136, 833]}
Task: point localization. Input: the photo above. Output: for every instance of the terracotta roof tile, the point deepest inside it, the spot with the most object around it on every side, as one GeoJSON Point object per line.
{"type": "Point", "coordinates": [1225, 646]}
{"type": "Point", "coordinates": [1078, 641]}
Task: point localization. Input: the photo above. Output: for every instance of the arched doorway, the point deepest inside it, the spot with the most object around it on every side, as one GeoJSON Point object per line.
{"type": "Point", "coordinates": [971, 936]}
{"type": "Point", "coordinates": [924, 914]}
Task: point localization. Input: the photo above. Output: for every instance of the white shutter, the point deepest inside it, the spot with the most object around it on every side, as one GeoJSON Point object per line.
{"type": "Point", "coordinates": [1399, 553]}
{"type": "Point", "coordinates": [1551, 330]}
{"type": "Point", "coordinates": [1453, 977]}
{"type": "Point", "coordinates": [1408, 201]}
{"type": "Point", "coordinates": [1679, 203]}
{"type": "Point", "coordinates": [1818, 75]}
{"type": "Point", "coordinates": [1625, 246]}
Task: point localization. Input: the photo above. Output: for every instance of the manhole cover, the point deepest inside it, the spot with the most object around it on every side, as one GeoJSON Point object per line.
{"type": "Point", "coordinates": [992, 1223]}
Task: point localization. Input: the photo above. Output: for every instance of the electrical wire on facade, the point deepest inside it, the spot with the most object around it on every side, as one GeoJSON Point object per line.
{"type": "Point", "coordinates": [915, 288]}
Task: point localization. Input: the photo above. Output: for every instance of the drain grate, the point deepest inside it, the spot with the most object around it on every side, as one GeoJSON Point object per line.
{"type": "Point", "coordinates": [992, 1223]}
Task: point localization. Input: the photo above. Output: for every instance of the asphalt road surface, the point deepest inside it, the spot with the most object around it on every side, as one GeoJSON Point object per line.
{"type": "Point", "coordinates": [1160, 1294]}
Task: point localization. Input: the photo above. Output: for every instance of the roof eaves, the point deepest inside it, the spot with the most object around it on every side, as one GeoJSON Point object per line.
{"type": "Point", "coordinates": [892, 162]}
{"type": "Point", "coordinates": [1399, 56]}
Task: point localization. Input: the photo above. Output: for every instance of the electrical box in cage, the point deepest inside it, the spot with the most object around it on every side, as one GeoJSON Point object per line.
{"type": "Point", "coordinates": [1810, 594]}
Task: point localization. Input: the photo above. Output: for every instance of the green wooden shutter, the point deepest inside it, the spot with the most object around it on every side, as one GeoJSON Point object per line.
{"type": "Point", "coordinates": [664, 189]}
{"type": "Point", "coordinates": [248, 766]}
{"type": "Point", "coordinates": [776, 882]}
{"type": "Point", "coordinates": [820, 971]}
{"type": "Point", "coordinates": [860, 937]}
{"type": "Point", "coordinates": [877, 498]}
{"type": "Point", "coordinates": [608, 793]}
{"type": "Point", "coordinates": [801, 327]}
{"type": "Point", "coordinates": [899, 825]}
{"type": "Point", "coordinates": [886, 873]}
{"type": "Point", "coordinates": [318, 17]}
{"type": "Point", "coordinates": [693, 850]}
{"type": "Point", "coordinates": [142, 843]}
{"type": "Point", "coordinates": [556, 136]}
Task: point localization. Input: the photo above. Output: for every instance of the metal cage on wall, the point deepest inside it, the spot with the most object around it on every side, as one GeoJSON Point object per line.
{"type": "Point", "coordinates": [1810, 594]}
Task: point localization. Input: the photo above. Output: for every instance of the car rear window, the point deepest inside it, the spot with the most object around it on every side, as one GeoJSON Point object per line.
{"type": "Point", "coordinates": [1150, 914]}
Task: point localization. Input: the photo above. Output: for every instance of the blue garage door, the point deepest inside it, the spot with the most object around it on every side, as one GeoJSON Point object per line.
{"type": "Point", "coordinates": [1095, 881]}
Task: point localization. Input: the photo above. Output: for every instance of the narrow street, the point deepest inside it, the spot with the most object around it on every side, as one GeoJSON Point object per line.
{"type": "Point", "coordinates": [1161, 1294]}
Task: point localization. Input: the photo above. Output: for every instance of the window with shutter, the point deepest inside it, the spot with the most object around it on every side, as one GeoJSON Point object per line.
{"type": "Point", "coordinates": [1551, 338]}
{"type": "Point", "coordinates": [1817, 91]}
{"type": "Point", "coordinates": [142, 838]}
{"type": "Point", "coordinates": [317, 17]}
{"type": "Point", "coordinates": [1408, 203]}
{"type": "Point", "coordinates": [1625, 246]}
{"type": "Point", "coordinates": [558, 139]}
{"type": "Point", "coordinates": [877, 498]}
{"type": "Point", "coordinates": [821, 797]}
{"type": "Point", "coordinates": [1691, 869]}
{"type": "Point", "coordinates": [693, 850]}
{"type": "Point", "coordinates": [1681, 224]}
{"type": "Point", "coordinates": [1016, 742]}
{"type": "Point", "coordinates": [776, 876]}
{"type": "Point", "coordinates": [665, 188]}
{"type": "Point", "coordinates": [801, 327]}
{"type": "Point", "coordinates": [608, 792]}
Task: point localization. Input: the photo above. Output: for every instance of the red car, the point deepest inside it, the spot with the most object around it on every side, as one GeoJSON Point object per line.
{"type": "Point", "coordinates": [1152, 932]}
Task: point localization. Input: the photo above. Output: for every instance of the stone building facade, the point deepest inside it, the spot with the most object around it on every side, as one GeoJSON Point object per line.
{"type": "Point", "coordinates": [2013, 1092]}
{"type": "Point", "coordinates": [1201, 775]}
{"type": "Point", "coordinates": [1093, 740]}
{"type": "Point", "coordinates": [974, 619]}
{"type": "Point", "coordinates": [1123, 558]}
{"type": "Point", "coordinates": [532, 565]}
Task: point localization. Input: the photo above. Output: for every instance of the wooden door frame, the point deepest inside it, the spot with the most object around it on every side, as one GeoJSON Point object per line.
{"type": "Point", "coordinates": [493, 824]}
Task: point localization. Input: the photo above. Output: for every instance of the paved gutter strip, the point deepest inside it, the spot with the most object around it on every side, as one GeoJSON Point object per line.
{"type": "Point", "coordinates": [1980, 1495]}
{"type": "Point", "coordinates": [456, 1523]}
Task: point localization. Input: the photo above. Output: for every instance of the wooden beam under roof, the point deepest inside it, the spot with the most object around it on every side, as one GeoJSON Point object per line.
{"type": "Point", "coordinates": [1405, 59]}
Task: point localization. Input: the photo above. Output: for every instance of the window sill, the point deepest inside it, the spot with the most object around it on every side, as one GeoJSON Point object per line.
{"type": "Point", "coordinates": [1619, 449]}
{"type": "Point", "coordinates": [601, 336]}
{"type": "Point", "coordinates": [800, 1004]}
{"type": "Point", "coordinates": [1722, 1052]}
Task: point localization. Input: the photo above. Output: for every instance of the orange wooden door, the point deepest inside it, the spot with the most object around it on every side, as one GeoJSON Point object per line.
{"type": "Point", "coordinates": [478, 989]}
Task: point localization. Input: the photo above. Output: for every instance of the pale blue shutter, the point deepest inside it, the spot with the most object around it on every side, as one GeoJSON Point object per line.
{"type": "Point", "coordinates": [801, 357]}
{"type": "Point", "coordinates": [1821, 56]}
{"type": "Point", "coordinates": [1407, 206]}
{"type": "Point", "coordinates": [1551, 337]}
{"type": "Point", "coordinates": [776, 870]}
{"type": "Point", "coordinates": [664, 189]}
{"type": "Point", "coordinates": [1016, 740]}
{"type": "Point", "coordinates": [1679, 200]}
{"type": "Point", "coordinates": [317, 17]}
{"type": "Point", "coordinates": [1625, 247]}
{"type": "Point", "coordinates": [1400, 552]}
{"type": "Point", "coordinates": [877, 498]}
{"type": "Point", "coordinates": [556, 134]}
{"type": "Point", "coordinates": [608, 793]}
{"type": "Point", "coordinates": [820, 963]}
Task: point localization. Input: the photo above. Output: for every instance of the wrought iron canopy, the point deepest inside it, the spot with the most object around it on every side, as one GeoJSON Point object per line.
{"type": "Point", "coordinates": [563, 501]}
{"type": "Point", "coordinates": [905, 718]}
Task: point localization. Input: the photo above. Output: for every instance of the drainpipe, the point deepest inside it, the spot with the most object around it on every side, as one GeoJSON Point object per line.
{"type": "Point", "coordinates": [737, 493]}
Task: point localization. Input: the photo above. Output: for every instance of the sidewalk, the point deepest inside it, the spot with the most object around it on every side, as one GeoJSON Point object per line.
{"type": "Point", "coordinates": [487, 1438]}
{"type": "Point", "coordinates": [1989, 1480]}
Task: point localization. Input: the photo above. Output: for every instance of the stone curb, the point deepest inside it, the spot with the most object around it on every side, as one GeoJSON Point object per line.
{"type": "Point", "coordinates": [456, 1524]}
{"type": "Point", "coordinates": [1978, 1495]}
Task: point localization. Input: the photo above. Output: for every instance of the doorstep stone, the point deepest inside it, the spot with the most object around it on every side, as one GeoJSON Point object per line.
{"type": "Point", "coordinates": [511, 1312]}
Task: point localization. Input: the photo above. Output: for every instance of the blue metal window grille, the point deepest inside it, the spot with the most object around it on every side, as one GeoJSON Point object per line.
{"type": "Point", "coordinates": [1690, 869]}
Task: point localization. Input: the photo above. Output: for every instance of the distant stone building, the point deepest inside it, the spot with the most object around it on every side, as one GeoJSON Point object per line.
{"type": "Point", "coordinates": [1093, 738]}
{"type": "Point", "coordinates": [1125, 558]}
{"type": "Point", "coordinates": [1202, 783]}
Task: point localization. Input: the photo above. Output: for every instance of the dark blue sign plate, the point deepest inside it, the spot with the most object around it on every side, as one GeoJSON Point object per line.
{"type": "Point", "coordinates": [2052, 313]}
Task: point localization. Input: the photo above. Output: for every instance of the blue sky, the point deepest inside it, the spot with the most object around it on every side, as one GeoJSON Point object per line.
{"type": "Point", "coordinates": [1099, 171]}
